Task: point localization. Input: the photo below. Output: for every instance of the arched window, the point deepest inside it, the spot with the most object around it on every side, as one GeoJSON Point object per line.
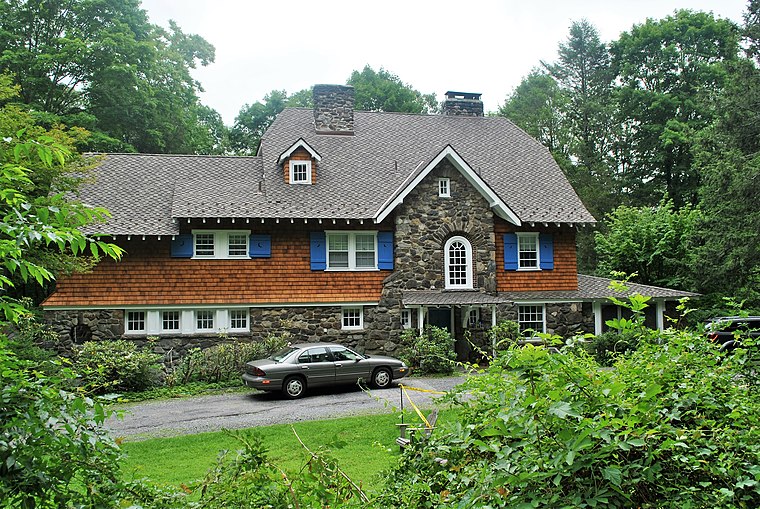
{"type": "Point", "coordinates": [458, 263]}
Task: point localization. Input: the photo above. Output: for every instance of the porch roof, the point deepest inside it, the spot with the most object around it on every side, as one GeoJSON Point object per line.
{"type": "Point", "coordinates": [449, 298]}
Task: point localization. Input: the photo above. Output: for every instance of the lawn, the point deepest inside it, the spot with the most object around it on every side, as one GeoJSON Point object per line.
{"type": "Point", "coordinates": [364, 446]}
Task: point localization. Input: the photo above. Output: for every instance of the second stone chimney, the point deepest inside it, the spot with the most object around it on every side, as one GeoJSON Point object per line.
{"type": "Point", "coordinates": [334, 109]}
{"type": "Point", "coordinates": [463, 104]}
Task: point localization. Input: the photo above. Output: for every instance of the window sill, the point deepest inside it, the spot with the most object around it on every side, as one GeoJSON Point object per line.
{"type": "Point", "coordinates": [372, 269]}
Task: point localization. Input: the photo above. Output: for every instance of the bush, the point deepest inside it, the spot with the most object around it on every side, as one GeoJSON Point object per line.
{"type": "Point", "coordinates": [607, 347]}
{"type": "Point", "coordinates": [504, 335]}
{"type": "Point", "coordinates": [223, 363]}
{"type": "Point", "coordinates": [115, 365]}
{"type": "Point", "coordinates": [430, 352]}
{"type": "Point", "coordinates": [54, 451]}
{"type": "Point", "coordinates": [673, 426]}
{"type": "Point", "coordinates": [27, 339]}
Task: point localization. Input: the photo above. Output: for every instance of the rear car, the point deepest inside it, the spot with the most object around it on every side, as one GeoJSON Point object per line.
{"type": "Point", "coordinates": [731, 332]}
{"type": "Point", "coordinates": [307, 365]}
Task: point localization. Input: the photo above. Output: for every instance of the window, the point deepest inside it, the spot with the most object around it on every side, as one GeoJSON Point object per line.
{"type": "Point", "coordinates": [300, 172]}
{"type": "Point", "coordinates": [221, 244]}
{"type": "Point", "coordinates": [353, 318]}
{"type": "Point", "coordinates": [238, 319]}
{"type": "Point", "coordinates": [527, 251]}
{"type": "Point", "coordinates": [458, 262]}
{"type": "Point", "coordinates": [444, 188]}
{"type": "Point", "coordinates": [406, 318]}
{"type": "Point", "coordinates": [344, 354]}
{"type": "Point", "coordinates": [170, 320]}
{"type": "Point", "coordinates": [204, 244]}
{"type": "Point", "coordinates": [204, 319]}
{"type": "Point", "coordinates": [352, 250]}
{"type": "Point", "coordinates": [318, 354]}
{"type": "Point", "coordinates": [136, 321]}
{"type": "Point", "coordinates": [473, 318]}
{"type": "Point", "coordinates": [237, 244]}
{"type": "Point", "coordinates": [530, 318]}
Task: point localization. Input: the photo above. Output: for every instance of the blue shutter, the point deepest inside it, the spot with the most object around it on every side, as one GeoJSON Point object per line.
{"type": "Point", "coordinates": [182, 246]}
{"type": "Point", "coordinates": [510, 251]}
{"type": "Point", "coordinates": [260, 246]}
{"type": "Point", "coordinates": [385, 250]}
{"type": "Point", "coordinates": [318, 251]}
{"type": "Point", "coordinates": [546, 253]}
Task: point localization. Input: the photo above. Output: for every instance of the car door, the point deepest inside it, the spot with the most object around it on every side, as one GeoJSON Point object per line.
{"type": "Point", "coordinates": [317, 365]}
{"type": "Point", "coordinates": [349, 365]}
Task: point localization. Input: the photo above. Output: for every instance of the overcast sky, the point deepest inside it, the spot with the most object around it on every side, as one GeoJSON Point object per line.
{"type": "Point", "coordinates": [484, 46]}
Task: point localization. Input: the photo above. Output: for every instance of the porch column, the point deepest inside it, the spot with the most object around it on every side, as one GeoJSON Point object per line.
{"type": "Point", "coordinates": [493, 336]}
{"type": "Point", "coordinates": [597, 308]}
{"type": "Point", "coordinates": [660, 314]}
{"type": "Point", "coordinates": [420, 319]}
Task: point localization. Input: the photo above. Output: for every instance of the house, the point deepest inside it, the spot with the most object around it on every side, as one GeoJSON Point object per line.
{"type": "Point", "coordinates": [347, 225]}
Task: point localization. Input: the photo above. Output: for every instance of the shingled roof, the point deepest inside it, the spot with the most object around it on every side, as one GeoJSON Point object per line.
{"type": "Point", "coordinates": [357, 175]}
{"type": "Point", "coordinates": [594, 288]}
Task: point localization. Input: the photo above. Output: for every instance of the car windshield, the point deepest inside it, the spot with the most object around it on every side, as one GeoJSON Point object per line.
{"type": "Point", "coordinates": [282, 354]}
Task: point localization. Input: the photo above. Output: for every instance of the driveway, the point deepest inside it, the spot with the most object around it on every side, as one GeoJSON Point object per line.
{"type": "Point", "coordinates": [249, 409]}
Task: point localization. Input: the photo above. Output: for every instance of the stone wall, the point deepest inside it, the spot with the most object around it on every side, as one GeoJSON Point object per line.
{"type": "Point", "coordinates": [565, 319]}
{"type": "Point", "coordinates": [463, 107]}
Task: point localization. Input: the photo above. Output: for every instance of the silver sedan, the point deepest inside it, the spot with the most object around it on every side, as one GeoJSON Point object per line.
{"type": "Point", "coordinates": [296, 367]}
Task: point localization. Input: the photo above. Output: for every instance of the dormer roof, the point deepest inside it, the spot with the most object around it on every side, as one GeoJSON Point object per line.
{"type": "Point", "coordinates": [301, 143]}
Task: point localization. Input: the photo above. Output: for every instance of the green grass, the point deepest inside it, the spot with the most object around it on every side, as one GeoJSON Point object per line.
{"type": "Point", "coordinates": [364, 446]}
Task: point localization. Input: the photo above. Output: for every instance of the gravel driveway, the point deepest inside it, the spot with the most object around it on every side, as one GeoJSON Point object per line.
{"type": "Point", "coordinates": [249, 409]}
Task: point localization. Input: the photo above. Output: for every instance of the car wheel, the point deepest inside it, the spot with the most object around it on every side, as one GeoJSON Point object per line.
{"type": "Point", "coordinates": [294, 387]}
{"type": "Point", "coordinates": [381, 378]}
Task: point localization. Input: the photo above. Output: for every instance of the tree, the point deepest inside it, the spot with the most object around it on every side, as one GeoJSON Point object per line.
{"type": "Point", "coordinates": [539, 107]}
{"type": "Point", "coordinates": [254, 119]}
{"type": "Point", "coordinates": [670, 71]}
{"type": "Point", "coordinates": [384, 91]}
{"type": "Point", "coordinates": [652, 242]}
{"type": "Point", "coordinates": [101, 65]}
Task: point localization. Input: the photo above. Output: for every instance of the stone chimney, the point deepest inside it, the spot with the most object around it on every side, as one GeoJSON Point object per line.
{"type": "Point", "coordinates": [463, 104]}
{"type": "Point", "coordinates": [334, 109]}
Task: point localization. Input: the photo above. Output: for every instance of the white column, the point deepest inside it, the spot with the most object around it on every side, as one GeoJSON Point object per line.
{"type": "Point", "coordinates": [421, 319]}
{"type": "Point", "coordinates": [597, 308]}
{"type": "Point", "coordinates": [660, 313]}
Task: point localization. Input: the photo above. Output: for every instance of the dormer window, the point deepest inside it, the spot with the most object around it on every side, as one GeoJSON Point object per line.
{"type": "Point", "coordinates": [300, 172]}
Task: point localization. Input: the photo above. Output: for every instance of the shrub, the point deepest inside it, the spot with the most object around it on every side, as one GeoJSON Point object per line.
{"type": "Point", "coordinates": [224, 363]}
{"type": "Point", "coordinates": [115, 365]}
{"type": "Point", "coordinates": [27, 339]}
{"type": "Point", "coordinates": [673, 426]}
{"type": "Point", "coordinates": [430, 352]}
{"type": "Point", "coordinates": [504, 335]}
{"type": "Point", "coordinates": [54, 451]}
{"type": "Point", "coordinates": [607, 347]}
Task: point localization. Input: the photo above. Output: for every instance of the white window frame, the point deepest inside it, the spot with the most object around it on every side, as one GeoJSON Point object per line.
{"type": "Point", "coordinates": [163, 321]}
{"type": "Point", "coordinates": [467, 285]}
{"type": "Point", "coordinates": [246, 313]}
{"type": "Point", "coordinates": [197, 319]}
{"type": "Point", "coordinates": [444, 187]}
{"type": "Point", "coordinates": [221, 244]}
{"type": "Point", "coordinates": [406, 318]}
{"type": "Point", "coordinates": [351, 249]}
{"type": "Point", "coordinates": [473, 318]}
{"type": "Point", "coordinates": [291, 167]}
{"type": "Point", "coordinates": [344, 317]}
{"type": "Point", "coordinates": [521, 311]}
{"type": "Point", "coordinates": [129, 320]}
{"type": "Point", "coordinates": [529, 235]}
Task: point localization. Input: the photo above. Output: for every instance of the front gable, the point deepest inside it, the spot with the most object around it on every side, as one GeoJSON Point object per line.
{"type": "Point", "coordinates": [499, 207]}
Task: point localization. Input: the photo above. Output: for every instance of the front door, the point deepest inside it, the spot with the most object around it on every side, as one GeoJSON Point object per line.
{"type": "Point", "coordinates": [440, 317]}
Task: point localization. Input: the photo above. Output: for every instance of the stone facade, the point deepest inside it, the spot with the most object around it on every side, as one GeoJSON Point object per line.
{"type": "Point", "coordinates": [334, 108]}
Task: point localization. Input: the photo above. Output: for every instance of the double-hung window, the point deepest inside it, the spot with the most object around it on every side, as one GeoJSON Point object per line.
{"type": "Point", "coordinates": [444, 188]}
{"type": "Point", "coordinates": [205, 244]}
{"type": "Point", "coordinates": [527, 251]}
{"type": "Point", "coordinates": [300, 172]}
{"type": "Point", "coordinates": [458, 263]}
{"type": "Point", "coordinates": [351, 250]}
{"type": "Point", "coordinates": [530, 318]}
